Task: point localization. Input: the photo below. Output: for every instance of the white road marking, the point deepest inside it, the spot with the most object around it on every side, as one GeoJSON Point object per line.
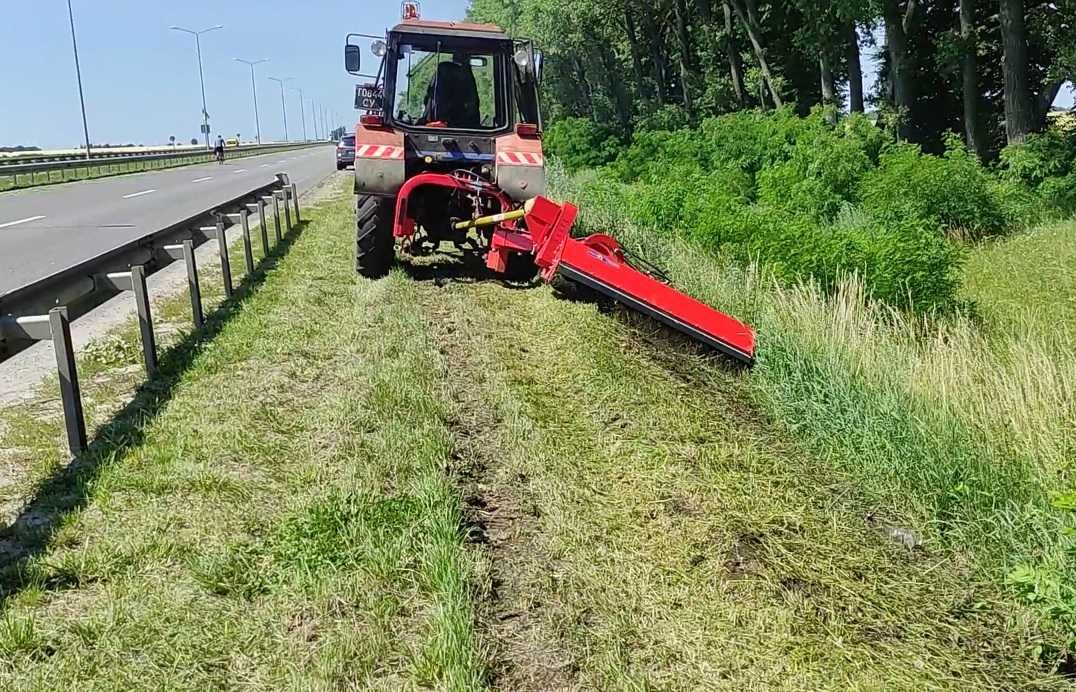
{"type": "Point", "coordinates": [241, 170]}
{"type": "Point", "coordinates": [265, 165]}
{"type": "Point", "coordinates": [26, 220]}
{"type": "Point", "coordinates": [139, 194]}
{"type": "Point", "coordinates": [202, 180]}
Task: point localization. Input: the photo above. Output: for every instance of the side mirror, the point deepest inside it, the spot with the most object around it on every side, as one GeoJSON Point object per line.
{"type": "Point", "coordinates": [352, 58]}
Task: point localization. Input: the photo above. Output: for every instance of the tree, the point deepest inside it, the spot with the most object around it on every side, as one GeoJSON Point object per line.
{"type": "Point", "coordinates": [1019, 112]}
{"type": "Point", "coordinates": [194, 140]}
{"type": "Point", "coordinates": [969, 73]}
{"type": "Point", "coordinates": [898, 22]}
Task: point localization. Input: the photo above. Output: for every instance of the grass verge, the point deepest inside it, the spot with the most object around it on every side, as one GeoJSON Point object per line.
{"type": "Point", "coordinates": [271, 512]}
{"type": "Point", "coordinates": [966, 438]}
{"type": "Point", "coordinates": [439, 481]}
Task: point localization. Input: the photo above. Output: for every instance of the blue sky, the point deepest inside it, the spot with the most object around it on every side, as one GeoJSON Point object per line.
{"type": "Point", "coordinates": [141, 80]}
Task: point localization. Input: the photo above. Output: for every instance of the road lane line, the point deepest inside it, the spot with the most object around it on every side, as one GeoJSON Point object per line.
{"type": "Point", "coordinates": [241, 170]}
{"type": "Point", "coordinates": [202, 180]}
{"type": "Point", "coordinates": [26, 220]}
{"type": "Point", "coordinates": [265, 165]}
{"type": "Point", "coordinates": [139, 194]}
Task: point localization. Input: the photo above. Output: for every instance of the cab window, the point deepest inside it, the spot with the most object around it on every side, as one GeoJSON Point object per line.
{"type": "Point", "coordinates": [453, 89]}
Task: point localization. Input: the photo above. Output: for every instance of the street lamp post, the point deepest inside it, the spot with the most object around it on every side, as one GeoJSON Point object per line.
{"type": "Point", "coordinates": [78, 76]}
{"type": "Point", "coordinates": [201, 78]}
{"type": "Point", "coordinates": [254, 88]}
{"type": "Point", "coordinates": [302, 111]}
{"type": "Point", "coordinates": [283, 106]}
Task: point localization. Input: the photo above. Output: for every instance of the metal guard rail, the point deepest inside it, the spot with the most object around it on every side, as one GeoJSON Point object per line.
{"type": "Point", "coordinates": [124, 269]}
{"type": "Point", "coordinates": [56, 163]}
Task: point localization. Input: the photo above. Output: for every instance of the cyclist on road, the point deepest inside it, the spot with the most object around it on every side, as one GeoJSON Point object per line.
{"type": "Point", "coordinates": [219, 150]}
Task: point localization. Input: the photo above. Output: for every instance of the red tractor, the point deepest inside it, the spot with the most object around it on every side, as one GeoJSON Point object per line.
{"type": "Point", "coordinates": [449, 149]}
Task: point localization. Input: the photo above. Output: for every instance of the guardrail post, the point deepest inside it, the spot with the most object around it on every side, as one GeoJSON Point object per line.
{"type": "Point", "coordinates": [74, 419]}
{"type": "Point", "coordinates": [248, 252]}
{"type": "Point", "coordinates": [55, 327]}
{"type": "Point", "coordinates": [225, 261]}
{"type": "Point", "coordinates": [295, 201]}
{"type": "Point", "coordinates": [276, 216]}
{"type": "Point", "coordinates": [283, 193]}
{"type": "Point", "coordinates": [145, 319]}
{"type": "Point", "coordinates": [186, 253]}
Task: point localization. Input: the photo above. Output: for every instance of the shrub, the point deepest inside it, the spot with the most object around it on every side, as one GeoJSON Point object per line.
{"type": "Point", "coordinates": [1046, 163]}
{"type": "Point", "coordinates": [652, 153]}
{"type": "Point", "coordinates": [818, 179]}
{"type": "Point", "coordinates": [668, 117]}
{"type": "Point", "coordinates": [953, 191]}
{"type": "Point", "coordinates": [580, 143]}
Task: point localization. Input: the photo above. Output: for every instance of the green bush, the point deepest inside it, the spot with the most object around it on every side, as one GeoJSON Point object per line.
{"type": "Point", "coordinates": [953, 192]}
{"type": "Point", "coordinates": [818, 179]}
{"type": "Point", "coordinates": [580, 143]}
{"type": "Point", "coordinates": [652, 153]}
{"type": "Point", "coordinates": [813, 200]}
{"type": "Point", "coordinates": [1045, 163]}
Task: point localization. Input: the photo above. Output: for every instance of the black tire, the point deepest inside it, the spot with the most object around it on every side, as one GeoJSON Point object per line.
{"type": "Point", "coordinates": [340, 166]}
{"type": "Point", "coordinates": [374, 245]}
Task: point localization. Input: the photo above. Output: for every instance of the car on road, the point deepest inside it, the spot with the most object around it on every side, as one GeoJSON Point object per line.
{"type": "Point", "coordinates": [345, 152]}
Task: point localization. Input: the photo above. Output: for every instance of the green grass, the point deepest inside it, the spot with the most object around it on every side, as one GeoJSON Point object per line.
{"type": "Point", "coordinates": [962, 435]}
{"type": "Point", "coordinates": [1028, 279]}
{"type": "Point", "coordinates": [102, 169]}
{"type": "Point", "coordinates": [271, 513]}
{"type": "Point", "coordinates": [460, 484]}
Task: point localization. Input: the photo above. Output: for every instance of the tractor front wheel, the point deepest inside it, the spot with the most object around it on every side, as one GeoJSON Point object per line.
{"type": "Point", "coordinates": [374, 244]}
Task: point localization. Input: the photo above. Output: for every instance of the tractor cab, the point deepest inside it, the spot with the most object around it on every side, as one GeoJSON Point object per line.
{"type": "Point", "coordinates": [449, 96]}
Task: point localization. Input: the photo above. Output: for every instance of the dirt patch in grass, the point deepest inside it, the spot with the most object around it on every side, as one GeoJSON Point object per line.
{"type": "Point", "coordinates": [496, 525]}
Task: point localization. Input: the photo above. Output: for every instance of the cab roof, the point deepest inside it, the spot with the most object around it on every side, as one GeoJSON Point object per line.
{"type": "Point", "coordinates": [427, 27]}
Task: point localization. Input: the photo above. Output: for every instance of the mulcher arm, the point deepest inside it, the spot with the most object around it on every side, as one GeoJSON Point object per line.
{"type": "Point", "coordinates": [598, 262]}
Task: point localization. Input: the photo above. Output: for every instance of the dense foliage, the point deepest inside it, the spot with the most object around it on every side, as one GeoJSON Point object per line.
{"type": "Point", "coordinates": [988, 70]}
{"type": "Point", "coordinates": [820, 201]}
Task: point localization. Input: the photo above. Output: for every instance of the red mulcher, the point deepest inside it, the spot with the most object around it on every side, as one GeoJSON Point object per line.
{"type": "Point", "coordinates": [450, 150]}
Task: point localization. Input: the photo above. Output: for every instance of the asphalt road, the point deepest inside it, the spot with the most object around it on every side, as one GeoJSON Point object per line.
{"type": "Point", "coordinates": [46, 229]}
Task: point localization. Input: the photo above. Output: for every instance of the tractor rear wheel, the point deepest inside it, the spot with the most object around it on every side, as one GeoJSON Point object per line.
{"type": "Point", "coordinates": [374, 244]}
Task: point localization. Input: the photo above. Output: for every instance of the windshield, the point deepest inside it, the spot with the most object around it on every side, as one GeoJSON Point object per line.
{"type": "Point", "coordinates": [453, 89]}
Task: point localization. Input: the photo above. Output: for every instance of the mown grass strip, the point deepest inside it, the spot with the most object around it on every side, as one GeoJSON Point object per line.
{"type": "Point", "coordinates": [645, 526]}
{"type": "Point", "coordinates": [964, 438]}
{"type": "Point", "coordinates": [271, 513]}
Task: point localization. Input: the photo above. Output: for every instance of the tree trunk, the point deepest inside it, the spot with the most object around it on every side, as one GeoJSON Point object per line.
{"type": "Point", "coordinates": [855, 72]}
{"type": "Point", "coordinates": [973, 131]}
{"type": "Point", "coordinates": [896, 38]}
{"type": "Point", "coordinates": [657, 57]}
{"type": "Point", "coordinates": [735, 60]}
{"type": "Point", "coordinates": [754, 34]}
{"type": "Point", "coordinates": [636, 53]}
{"type": "Point", "coordinates": [684, 39]}
{"type": "Point", "coordinates": [1019, 110]}
{"type": "Point", "coordinates": [829, 87]}
{"type": "Point", "coordinates": [616, 86]}
{"type": "Point", "coordinates": [588, 90]}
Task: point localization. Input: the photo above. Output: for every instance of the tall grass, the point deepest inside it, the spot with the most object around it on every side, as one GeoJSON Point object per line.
{"type": "Point", "coordinates": [964, 435]}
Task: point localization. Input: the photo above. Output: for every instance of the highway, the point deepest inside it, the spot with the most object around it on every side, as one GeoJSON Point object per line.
{"type": "Point", "coordinates": [46, 229]}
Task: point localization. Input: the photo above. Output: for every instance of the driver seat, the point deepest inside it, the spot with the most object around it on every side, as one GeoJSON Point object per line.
{"type": "Point", "coordinates": [454, 97]}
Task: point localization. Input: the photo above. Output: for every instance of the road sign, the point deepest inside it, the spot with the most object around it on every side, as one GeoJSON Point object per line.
{"type": "Point", "coordinates": [370, 98]}
{"type": "Point", "coordinates": [204, 128]}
